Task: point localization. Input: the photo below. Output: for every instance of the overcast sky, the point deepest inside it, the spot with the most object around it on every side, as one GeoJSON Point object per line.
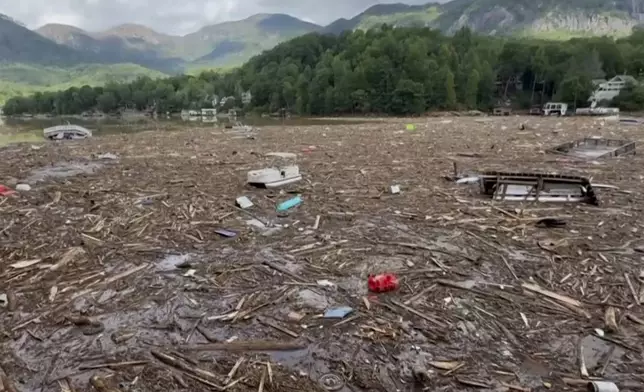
{"type": "Point", "coordinates": [175, 17]}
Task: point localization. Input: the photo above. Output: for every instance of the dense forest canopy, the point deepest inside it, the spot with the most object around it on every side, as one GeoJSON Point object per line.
{"type": "Point", "coordinates": [384, 70]}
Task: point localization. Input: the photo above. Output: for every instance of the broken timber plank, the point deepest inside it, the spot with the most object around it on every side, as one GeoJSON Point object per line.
{"type": "Point", "coordinates": [553, 295]}
{"type": "Point", "coordinates": [419, 314]}
{"type": "Point", "coordinates": [251, 345]}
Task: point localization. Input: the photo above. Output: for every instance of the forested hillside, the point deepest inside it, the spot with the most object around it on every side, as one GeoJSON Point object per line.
{"type": "Point", "coordinates": [383, 70]}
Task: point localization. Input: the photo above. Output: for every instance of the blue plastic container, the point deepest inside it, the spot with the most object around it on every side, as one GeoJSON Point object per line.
{"type": "Point", "coordinates": [289, 203]}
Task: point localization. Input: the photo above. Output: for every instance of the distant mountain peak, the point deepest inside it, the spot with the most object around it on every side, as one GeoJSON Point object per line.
{"type": "Point", "coordinates": [286, 23]}
{"type": "Point", "coordinates": [378, 9]}
{"type": "Point", "coordinates": [262, 16]}
{"type": "Point", "coordinates": [10, 19]}
{"type": "Point", "coordinates": [56, 28]}
{"type": "Point", "coordinates": [259, 16]}
{"type": "Point", "coordinates": [132, 30]}
{"type": "Point", "coordinates": [21, 45]}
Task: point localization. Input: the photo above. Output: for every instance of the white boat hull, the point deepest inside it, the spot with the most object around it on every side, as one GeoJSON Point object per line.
{"type": "Point", "coordinates": [67, 132]}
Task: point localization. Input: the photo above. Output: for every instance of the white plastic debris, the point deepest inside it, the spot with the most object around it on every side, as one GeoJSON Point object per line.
{"type": "Point", "coordinates": [295, 316]}
{"type": "Point", "coordinates": [395, 189]}
{"type": "Point", "coordinates": [244, 202]}
{"type": "Point", "coordinates": [285, 155]}
{"type": "Point", "coordinates": [256, 223]}
{"type": "Point", "coordinates": [23, 187]}
{"type": "Point", "coordinates": [107, 155]}
{"type": "Point", "coordinates": [338, 313]}
{"type": "Point", "coordinates": [325, 283]}
{"type": "Point", "coordinates": [468, 180]}
{"type": "Point", "coordinates": [604, 186]}
{"type": "Point", "coordinates": [275, 177]}
{"type": "Point", "coordinates": [602, 386]}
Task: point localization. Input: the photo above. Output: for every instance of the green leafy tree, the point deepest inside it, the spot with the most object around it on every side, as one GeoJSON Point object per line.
{"type": "Point", "coordinates": [575, 90]}
{"type": "Point", "coordinates": [106, 102]}
{"type": "Point", "coordinates": [449, 91]}
{"type": "Point", "coordinates": [408, 98]}
{"type": "Point", "coordinates": [631, 98]}
{"type": "Point", "coordinates": [471, 92]}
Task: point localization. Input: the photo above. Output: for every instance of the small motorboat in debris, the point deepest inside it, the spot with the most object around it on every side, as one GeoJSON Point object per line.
{"type": "Point", "coordinates": [67, 132]}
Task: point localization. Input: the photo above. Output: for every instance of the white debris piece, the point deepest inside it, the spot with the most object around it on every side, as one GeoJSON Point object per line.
{"type": "Point", "coordinates": [325, 283]}
{"type": "Point", "coordinates": [275, 177]}
{"type": "Point", "coordinates": [285, 155]}
{"type": "Point", "coordinates": [244, 202]}
{"type": "Point", "coordinates": [468, 180]}
{"type": "Point", "coordinates": [107, 155]}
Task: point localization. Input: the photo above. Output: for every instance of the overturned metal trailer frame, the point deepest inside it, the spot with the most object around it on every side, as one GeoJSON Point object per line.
{"type": "Point", "coordinates": [510, 186]}
{"type": "Point", "coordinates": [595, 148]}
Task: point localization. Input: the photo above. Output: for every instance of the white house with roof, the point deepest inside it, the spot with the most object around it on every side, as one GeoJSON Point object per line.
{"type": "Point", "coordinates": [246, 97]}
{"type": "Point", "coordinates": [609, 89]}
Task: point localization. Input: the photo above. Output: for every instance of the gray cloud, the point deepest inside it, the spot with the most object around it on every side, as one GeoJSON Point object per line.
{"type": "Point", "coordinates": [174, 17]}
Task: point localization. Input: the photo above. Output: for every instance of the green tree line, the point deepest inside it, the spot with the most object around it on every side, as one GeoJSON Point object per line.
{"type": "Point", "coordinates": [401, 71]}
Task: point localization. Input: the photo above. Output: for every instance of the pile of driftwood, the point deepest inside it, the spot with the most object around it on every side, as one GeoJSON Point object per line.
{"type": "Point", "coordinates": [145, 272]}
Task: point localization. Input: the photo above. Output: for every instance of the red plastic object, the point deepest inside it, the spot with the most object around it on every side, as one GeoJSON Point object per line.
{"type": "Point", "coordinates": [383, 283]}
{"type": "Point", "coordinates": [4, 191]}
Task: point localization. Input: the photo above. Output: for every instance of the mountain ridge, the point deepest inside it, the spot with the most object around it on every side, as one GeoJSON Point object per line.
{"type": "Point", "coordinates": [231, 43]}
{"type": "Point", "coordinates": [502, 17]}
{"type": "Point", "coordinates": [210, 44]}
{"type": "Point", "coordinates": [20, 44]}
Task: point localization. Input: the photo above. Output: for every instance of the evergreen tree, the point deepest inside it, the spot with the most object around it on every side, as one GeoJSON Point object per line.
{"type": "Point", "coordinates": [471, 92]}
{"type": "Point", "coordinates": [450, 91]}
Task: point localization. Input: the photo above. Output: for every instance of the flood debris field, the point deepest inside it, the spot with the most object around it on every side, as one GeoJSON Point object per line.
{"type": "Point", "coordinates": [114, 277]}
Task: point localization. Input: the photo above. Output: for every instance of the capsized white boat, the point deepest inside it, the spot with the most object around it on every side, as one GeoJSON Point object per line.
{"type": "Point", "coordinates": [69, 131]}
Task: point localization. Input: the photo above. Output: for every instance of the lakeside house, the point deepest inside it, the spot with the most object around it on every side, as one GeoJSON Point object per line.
{"type": "Point", "coordinates": [246, 97]}
{"type": "Point", "coordinates": [209, 112]}
{"type": "Point", "coordinates": [608, 89]}
{"type": "Point", "coordinates": [225, 100]}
